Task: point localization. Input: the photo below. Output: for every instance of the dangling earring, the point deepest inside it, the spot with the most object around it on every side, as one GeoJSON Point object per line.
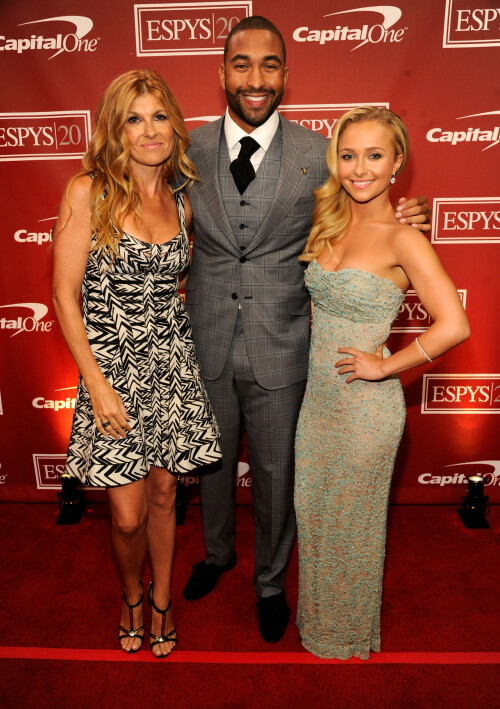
{"type": "Point", "coordinates": [393, 179]}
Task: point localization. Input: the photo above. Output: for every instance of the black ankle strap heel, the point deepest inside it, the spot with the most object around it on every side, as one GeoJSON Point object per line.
{"type": "Point", "coordinates": [170, 637]}
{"type": "Point", "coordinates": [131, 632]}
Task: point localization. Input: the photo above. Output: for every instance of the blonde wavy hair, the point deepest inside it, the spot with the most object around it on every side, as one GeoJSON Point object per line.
{"type": "Point", "coordinates": [112, 194]}
{"type": "Point", "coordinates": [332, 210]}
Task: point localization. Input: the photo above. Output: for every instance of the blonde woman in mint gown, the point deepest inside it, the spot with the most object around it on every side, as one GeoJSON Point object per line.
{"type": "Point", "coordinates": [361, 263]}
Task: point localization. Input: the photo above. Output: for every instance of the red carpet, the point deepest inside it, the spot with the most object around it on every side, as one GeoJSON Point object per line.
{"type": "Point", "coordinates": [61, 594]}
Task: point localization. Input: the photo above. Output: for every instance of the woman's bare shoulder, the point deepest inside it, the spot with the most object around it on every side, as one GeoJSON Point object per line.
{"type": "Point", "coordinates": [78, 189]}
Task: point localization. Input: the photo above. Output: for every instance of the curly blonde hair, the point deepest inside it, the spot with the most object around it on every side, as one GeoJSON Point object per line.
{"type": "Point", "coordinates": [332, 210]}
{"type": "Point", "coordinates": [112, 193]}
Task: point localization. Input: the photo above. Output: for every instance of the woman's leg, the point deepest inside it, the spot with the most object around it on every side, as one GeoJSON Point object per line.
{"type": "Point", "coordinates": [161, 487]}
{"type": "Point", "coordinates": [128, 506]}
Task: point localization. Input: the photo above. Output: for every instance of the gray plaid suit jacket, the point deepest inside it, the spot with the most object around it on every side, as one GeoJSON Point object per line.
{"type": "Point", "coordinates": [269, 281]}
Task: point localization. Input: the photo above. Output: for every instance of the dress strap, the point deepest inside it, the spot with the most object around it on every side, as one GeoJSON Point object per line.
{"type": "Point", "coordinates": [181, 211]}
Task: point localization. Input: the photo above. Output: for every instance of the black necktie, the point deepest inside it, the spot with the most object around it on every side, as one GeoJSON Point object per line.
{"type": "Point", "coordinates": [242, 168]}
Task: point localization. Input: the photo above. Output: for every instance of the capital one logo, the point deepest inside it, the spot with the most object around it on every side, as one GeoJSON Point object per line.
{"type": "Point", "coordinates": [359, 31]}
{"type": "Point", "coordinates": [183, 28]}
{"type": "Point", "coordinates": [74, 40]}
{"type": "Point", "coordinates": [64, 402]}
{"type": "Point", "coordinates": [489, 470]}
{"type": "Point", "coordinates": [471, 24]}
{"type": "Point", "coordinates": [461, 394]}
{"type": "Point", "coordinates": [24, 236]}
{"type": "Point", "coordinates": [413, 317]}
{"type": "Point", "coordinates": [484, 133]}
{"type": "Point", "coordinates": [25, 317]}
{"type": "Point", "coordinates": [45, 135]}
{"type": "Point", "coordinates": [242, 479]}
{"type": "Point", "coordinates": [319, 117]}
{"type": "Point", "coordinates": [466, 220]}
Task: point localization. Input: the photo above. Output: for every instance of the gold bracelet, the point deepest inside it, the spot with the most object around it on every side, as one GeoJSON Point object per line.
{"type": "Point", "coordinates": [422, 350]}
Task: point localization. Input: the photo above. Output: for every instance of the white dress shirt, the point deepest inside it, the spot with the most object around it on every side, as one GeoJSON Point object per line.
{"type": "Point", "coordinates": [263, 135]}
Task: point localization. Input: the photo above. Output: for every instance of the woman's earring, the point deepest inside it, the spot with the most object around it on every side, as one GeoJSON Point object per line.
{"type": "Point", "coordinates": [393, 179]}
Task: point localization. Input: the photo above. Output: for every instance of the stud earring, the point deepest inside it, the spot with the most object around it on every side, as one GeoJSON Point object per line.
{"type": "Point", "coordinates": [393, 179]}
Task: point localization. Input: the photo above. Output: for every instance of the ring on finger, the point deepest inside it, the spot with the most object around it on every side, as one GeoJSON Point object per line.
{"type": "Point", "coordinates": [106, 423]}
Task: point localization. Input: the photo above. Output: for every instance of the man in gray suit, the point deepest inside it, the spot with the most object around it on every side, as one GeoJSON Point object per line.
{"type": "Point", "coordinates": [248, 305]}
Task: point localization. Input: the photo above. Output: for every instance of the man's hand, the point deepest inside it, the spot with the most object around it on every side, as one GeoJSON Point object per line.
{"type": "Point", "coordinates": [414, 211]}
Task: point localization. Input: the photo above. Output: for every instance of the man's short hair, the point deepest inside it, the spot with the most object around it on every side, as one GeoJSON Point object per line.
{"type": "Point", "coordinates": [255, 22]}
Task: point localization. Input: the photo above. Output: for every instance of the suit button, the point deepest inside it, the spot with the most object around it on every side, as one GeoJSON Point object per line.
{"type": "Point", "coordinates": [234, 296]}
{"type": "Point", "coordinates": [243, 259]}
{"type": "Point", "coordinates": [243, 203]}
{"type": "Point", "coordinates": [243, 226]}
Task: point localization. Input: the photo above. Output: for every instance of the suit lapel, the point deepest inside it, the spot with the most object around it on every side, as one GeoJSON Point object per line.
{"type": "Point", "coordinates": [206, 165]}
{"type": "Point", "coordinates": [290, 186]}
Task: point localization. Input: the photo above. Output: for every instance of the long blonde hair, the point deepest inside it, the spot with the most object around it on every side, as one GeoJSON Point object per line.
{"type": "Point", "coordinates": [112, 193]}
{"type": "Point", "coordinates": [332, 210]}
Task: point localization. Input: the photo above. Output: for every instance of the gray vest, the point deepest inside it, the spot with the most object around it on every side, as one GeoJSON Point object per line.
{"type": "Point", "coordinates": [246, 211]}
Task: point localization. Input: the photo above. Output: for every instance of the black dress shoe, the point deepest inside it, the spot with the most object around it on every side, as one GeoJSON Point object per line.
{"type": "Point", "coordinates": [273, 614]}
{"type": "Point", "coordinates": [204, 578]}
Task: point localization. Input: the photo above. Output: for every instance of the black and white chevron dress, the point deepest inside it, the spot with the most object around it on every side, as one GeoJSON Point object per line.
{"type": "Point", "coordinates": [140, 335]}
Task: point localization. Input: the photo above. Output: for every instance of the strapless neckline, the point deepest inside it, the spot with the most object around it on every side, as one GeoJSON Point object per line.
{"type": "Point", "coordinates": [358, 270]}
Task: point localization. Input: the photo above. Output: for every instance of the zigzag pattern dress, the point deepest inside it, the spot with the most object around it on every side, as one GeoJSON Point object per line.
{"type": "Point", "coordinates": [140, 335]}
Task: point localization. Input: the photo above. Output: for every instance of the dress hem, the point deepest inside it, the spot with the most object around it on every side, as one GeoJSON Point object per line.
{"type": "Point", "coordinates": [338, 652]}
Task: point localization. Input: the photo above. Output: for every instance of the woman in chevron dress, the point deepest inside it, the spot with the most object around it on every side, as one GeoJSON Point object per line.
{"type": "Point", "coordinates": [142, 415]}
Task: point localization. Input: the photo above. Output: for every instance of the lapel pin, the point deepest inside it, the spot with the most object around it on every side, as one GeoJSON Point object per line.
{"type": "Point", "coordinates": [304, 169]}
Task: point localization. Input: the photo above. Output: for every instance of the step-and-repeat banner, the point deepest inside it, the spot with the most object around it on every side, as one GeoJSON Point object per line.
{"type": "Point", "coordinates": [435, 62]}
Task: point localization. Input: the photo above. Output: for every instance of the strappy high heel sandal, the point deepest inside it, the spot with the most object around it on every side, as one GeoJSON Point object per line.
{"type": "Point", "coordinates": [170, 637]}
{"type": "Point", "coordinates": [131, 632]}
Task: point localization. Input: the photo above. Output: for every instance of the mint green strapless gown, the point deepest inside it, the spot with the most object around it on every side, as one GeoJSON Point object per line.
{"type": "Point", "coordinates": [346, 443]}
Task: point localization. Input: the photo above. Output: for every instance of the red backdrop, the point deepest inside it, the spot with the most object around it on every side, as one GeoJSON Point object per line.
{"type": "Point", "coordinates": [434, 62]}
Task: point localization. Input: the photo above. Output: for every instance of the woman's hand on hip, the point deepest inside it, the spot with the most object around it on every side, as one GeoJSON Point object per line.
{"type": "Point", "coordinates": [362, 365]}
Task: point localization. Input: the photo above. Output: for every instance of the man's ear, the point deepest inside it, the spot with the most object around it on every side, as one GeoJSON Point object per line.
{"type": "Point", "coordinates": [222, 76]}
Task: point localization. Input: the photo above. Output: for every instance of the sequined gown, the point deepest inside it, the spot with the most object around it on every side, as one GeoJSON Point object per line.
{"type": "Point", "coordinates": [347, 439]}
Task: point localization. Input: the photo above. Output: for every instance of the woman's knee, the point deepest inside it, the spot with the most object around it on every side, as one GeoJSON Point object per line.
{"type": "Point", "coordinates": [129, 526]}
{"type": "Point", "coordinates": [163, 490]}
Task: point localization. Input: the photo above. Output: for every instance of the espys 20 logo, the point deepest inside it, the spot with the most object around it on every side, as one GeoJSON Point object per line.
{"type": "Point", "coordinates": [69, 42]}
{"type": "Point", "coordinates": [44, 135]}
{"type": "Point", "coordinates": [467, 25]}
{"type": "Point", "coordinates": [466, 220]}
{"type": "Point", "coordinates": [183, 28]}
{"type": "Point", "coordinates": [382, 31]}
{"type": "Point", "coordinates": [461, 394]}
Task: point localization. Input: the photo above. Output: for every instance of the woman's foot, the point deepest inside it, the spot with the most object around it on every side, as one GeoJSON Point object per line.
{"type": "Point", "coordinates": [131, 627]}
{"type": "Point", "coordinates": [163, 635]}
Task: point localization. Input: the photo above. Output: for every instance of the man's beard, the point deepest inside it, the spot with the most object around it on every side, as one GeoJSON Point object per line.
{"type": "Point", "coordinates": [253, 117]}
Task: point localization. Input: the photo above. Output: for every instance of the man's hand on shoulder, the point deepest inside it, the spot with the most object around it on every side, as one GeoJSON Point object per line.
{"type": "Point", "coordinates": [415, 212]}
